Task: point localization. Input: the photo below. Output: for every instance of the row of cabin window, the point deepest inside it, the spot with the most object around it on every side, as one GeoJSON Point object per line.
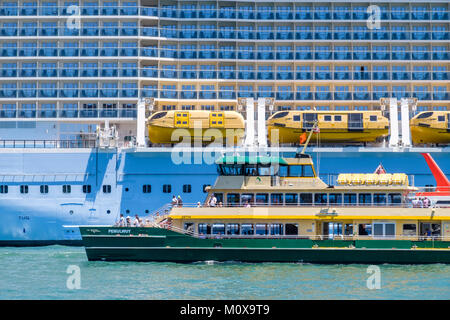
{"type": "Point", "coordinates": [329, 228]}
{"type": "Point", "coordinates": [244, 229]}
{"type": "Point", "coordinates": [146, 188]}
{"type": "Point", "coordinates": [310, 198]}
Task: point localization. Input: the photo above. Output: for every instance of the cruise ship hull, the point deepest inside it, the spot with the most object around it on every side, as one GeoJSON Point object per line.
{"type": "Point", "coordinates": [35, 218]}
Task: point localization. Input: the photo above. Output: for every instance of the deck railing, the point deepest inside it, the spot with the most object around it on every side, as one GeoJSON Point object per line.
{"type": "Point", "coordinates": [48, 143]}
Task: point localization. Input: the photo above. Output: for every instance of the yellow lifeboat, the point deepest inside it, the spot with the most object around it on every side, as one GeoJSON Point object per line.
{"type": "Point", "coordinates": [431, 127]}
{"type": "Point", "coordinates": [334, 126]}
{"type": "Point", "coordinates": [176, 126]}
{"type": "Point", "coordinates": [385, 179]}
{"type": "Point", "coordinates": [399, 179]}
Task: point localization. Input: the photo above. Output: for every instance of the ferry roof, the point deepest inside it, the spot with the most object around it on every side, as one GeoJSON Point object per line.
{"type": "Point", "coordinates": [251, 160]}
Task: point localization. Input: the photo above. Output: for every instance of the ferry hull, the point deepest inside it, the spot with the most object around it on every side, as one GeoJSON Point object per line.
{"type": "Point", "coordinates": [160, 245]}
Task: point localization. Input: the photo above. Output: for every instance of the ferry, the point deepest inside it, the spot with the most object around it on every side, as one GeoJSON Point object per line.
{"type": "Point", "coordinates": [276, 209]}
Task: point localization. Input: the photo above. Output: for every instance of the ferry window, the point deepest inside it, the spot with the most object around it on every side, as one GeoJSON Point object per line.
{"type": "Point", "coordinates": [147, 188]}
{"type": "Point", "coordinates": [295, 171]}
{"type": "Point", "coordinates": [365, 199]}
{"type": "Point", "coordinates": [261, 229]}
{"type": "Point", "coordinates": [306, 198]}
{"type": "Point", "coordinates": [350, 198]}
{"type": "Point", "coordinates": [327, 118]}
{"type": "Point", "coordinates": [395, 198]}
{"type": "Point", "coordinates": [441, 118]}
{"type": "Point", "coordinates": [247, 197]}
{"type": "Point", "coordinates": [106, 188]}
{"type": "Point", "coordinates": [335, 198]}
{"type": "Point", "coordinates": [205, 186]}
{"type": "Point", "coordinates": [348, 229]}
{"type": "Point", "coordinates": [231, 170]}
{"type": "Point", "coordinates": [3, 188]}
{"type": "Point", "coordinates": [338, 118]}
{"type": "Point", "coordinates": [276, 229]}
{"type": "Point", "coordinates": [43, 189]}
{"type": "Point", "coordinates": [384, 229]}
{"type": "Point", "coordinates": [233, 229]}
{"type": "Point", "coordinates": [247, 228]}
{"type": "Point", "coordinates": [233, 199]}
{"type": "Point", "coordinates": [218, 228]}
{"type": "Point", "coordinates": [189, 227]}
{"type": "Point", "coordinates": [291, 229]}
{"type": "Point", "coordinates": [262, 198]}
{"type": "Point", "coordinates": [379, 199]}
{"type": "Point", "coordinates": [430, 229]}
{"type": "Point", "coordinates": [283, 171]}
{"type": "Point", "coordinates": [307, 171]}
{"type": "Point", "coordinates": [276, 199]}
{"type": "Point", "coordinates": [219, 197]}
{"type": "Point", "coordinates": [320, 198]}
{"type": "Point", "coordinates": [66, 188]}
{"type": "Point", "coordinates": [291, 198]}
{"type": "Point", "coordinates": [187, 188]}
{"type": "Point", "coordinates": [296, 118]}
{"type": "Point", "coordinates": [204, 228]}
{"type": "Point", "coordinates": [23, 189]}
{"type": "Point", "coordinates": [409, 229]}
{"type": "Point", "coordinates": [167, 188]}
{"type": "Point", "coordinates": [364, 229]}
{"type": "Point", "coordinates": [373, 118]}
{"type": "Point", "coordinates": [87, 188]}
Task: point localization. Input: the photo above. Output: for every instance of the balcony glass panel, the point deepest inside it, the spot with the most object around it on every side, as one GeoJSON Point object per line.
{"type": "Point", "coordinates": [303, 33]}
{"type": "Point", "coordinates": [361, 53]}
{"type": "Point", "coordinates": [342, 53]}
{"type": "Point", "coordinates": [109, 90]}
{"type": "Point", "coordinates": [89, 50]}
{"type": "Point", "coordinates": [304, 93]}
{"type": "Point", "coordinates": [284, 13]}
{"type": "Point", "coordinates": [420, 13]}
{"type": "Point", "coordinates": [48, 50]}
{"type": "Point", "coordinates": [9, 29]}
{"type": "Point", "coordinates": [70, 90]}
{"type": "Point", "coordinates": [207, 11]}
{"type": "Point", "coordinates": [129, 49]}
{"type": "Point", "coordinates": [149, 51]}
{"type": "Point", "coordinates": [380, 34]}
{"type": "Point", "coordinates": [420, 33]}
{"type": "Point", "coordinates": [361, 33]}
{"type": "Point", "coordinates": [342, 13]}
{"type": "Point", "coordinates": [188, 11]}
{"type": "Point", "coordinates": [285, 73]}
{"type": "Point", "coordinates": [303, 73]}
{"type": "Point", "coordinates": [10, 49]}
{"type": "Point", "coordinates": [149, 71]}
{"type": "Point", "coordinates": [246, 53]}
{"type": "Point", "coordinates": [110, 9]}
{"type": "Point", "coordinates": [9, 70]}
{"type": "Point", "coordinates": [169, 92]}
{"type": "Point", "coordinates": [129, 9]}
{"type": "Point", "coordinates": [440, 33]}
{"type": "Point", "coordinates": [322, 73]}
{"type": "Point", "coordinates": [28, 90]}
{"type": "Point", "coordinates": [342, 33]}
{"type": "Point", "coordinates": [380, 92]}
{"type": "Point", "coordinates": [284, 93]}
{"type": "Point", "coordinates": [439, 13]}
{"type": "Point", "coordinates": [29, 29]}
{"type": "Point", "coordinates": [89, 9]}
{"type": "Point", "coordinates": [149, 31]}
{"type": "Point", "coordinates": [265, 73]}
{"type": "Point", "coordinates": [342, 73]}
{"type": "Point", "coordinates": [48, 70]}
{"type": "Point", "coordinates": [28, 70]}
{"type": "Point", "coordinates": [265, 13]}
{"type": "Point", "coordinates": [168, 11]}
{"type": "Point", "coordinates": [361, 93]}
{"type": "Point", "coordinates": [227, 53]}
{"type": "Point", "coordinates": [341, 93]}
{"type": "Point", "coordinates": [227, 13]}
{"type": "Point", "coordinates": [48, 90]}
{"type": "Point", "coordinates": [303, 13]}
{"type": "Point", "coordinates": [110, 29]}
{"type": "Point", "coordinates": [29, 9]}
{"type": "Point", "coordinates": [322, 93]}
{"type": "Point", "coordinates": [399, 13]}
{"type": "Point", "coordinates": [246, 13]}
{"type": "Point", "coordinates": [129, 29]}
{"type": "Point", "coordinates": [323, 53]}
{"type": "Point", "coordinates": [400, 53]}
{"type": "Point", "coordinates": [89, 70]}
{"type": "Point", "coordinates": [322, 13]}
{"type": "Point", "coordinates": [149, 91]}
{"type": "Point", "coordinates": [49, 9]}
{"type": "Point", "coordinates": [360, 13]}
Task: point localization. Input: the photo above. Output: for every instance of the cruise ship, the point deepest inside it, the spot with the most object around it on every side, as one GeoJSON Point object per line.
{"type": "Point", "coordinates": [81, 82]}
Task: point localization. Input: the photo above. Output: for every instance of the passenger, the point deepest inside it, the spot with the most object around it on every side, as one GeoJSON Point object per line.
{"type": "Point", "coordinates": [174, 201]}
{"type": "Point", "coordinates": [136, 221]}
{"type": "Point", "coordinates": [213, 201]}
{"type": "Point", "coordinates": [121, 222]}
{"type": "Point", "coordinates": [180, 202]}
{"type": "Point", "coordinates": [147, 223]}
{"type": "Point", "coordinates": [247, 205]}
{"type": "Point", "coordinates": [220, 204]}
{"type": "Point", "coordinates": [420, 203]}
{"type": "Point", "coordinates": [128, 221]}
{"type": "Point", "coordinates": [415, 203]}
{"type": "Point", "coordinates": [426, 202]}
{"type": "Point", "coordinates": [199, 205]}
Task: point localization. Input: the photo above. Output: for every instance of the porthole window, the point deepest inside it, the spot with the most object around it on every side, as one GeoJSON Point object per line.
{"type": "Point", "coordinates": [108, 211]}
{"type": "Point", "coordinates": [71, 212]}
{"type": "Point", "coordinates": [126, 189]}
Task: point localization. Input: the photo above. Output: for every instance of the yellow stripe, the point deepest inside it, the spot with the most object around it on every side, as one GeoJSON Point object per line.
{"type": "Point", "coordinates": [310, 217]}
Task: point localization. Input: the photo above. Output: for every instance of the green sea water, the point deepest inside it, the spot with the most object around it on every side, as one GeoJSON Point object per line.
{"type": "Point", "coordinates": [41, 273]}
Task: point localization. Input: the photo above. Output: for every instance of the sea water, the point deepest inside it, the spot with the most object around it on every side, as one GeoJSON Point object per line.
{"type": "Point", "coordinates": [59, 272]}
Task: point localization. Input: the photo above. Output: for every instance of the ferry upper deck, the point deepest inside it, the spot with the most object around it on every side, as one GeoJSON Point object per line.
{"type": "Point", "coordinates": [90, 61]}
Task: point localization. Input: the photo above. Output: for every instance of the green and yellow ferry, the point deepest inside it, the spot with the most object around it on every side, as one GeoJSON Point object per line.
{"type": "Point", "coordinates": [274, 209]}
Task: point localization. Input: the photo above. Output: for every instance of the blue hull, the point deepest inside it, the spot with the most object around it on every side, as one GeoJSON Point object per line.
{"type": "Point", "coordinates": [35, 218]}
